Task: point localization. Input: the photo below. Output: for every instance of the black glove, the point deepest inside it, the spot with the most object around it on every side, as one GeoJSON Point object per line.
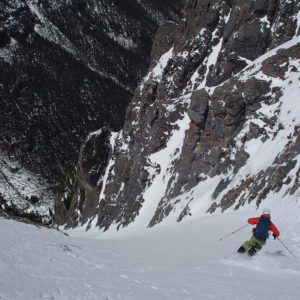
{"type": "Point", "coordinates": [275, 236]}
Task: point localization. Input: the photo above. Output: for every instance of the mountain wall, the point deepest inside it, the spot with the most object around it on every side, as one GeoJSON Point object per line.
{"type": "Point", "coordinates": [213, 125]}
{"type": "Point", "coordinates": [66, 68]}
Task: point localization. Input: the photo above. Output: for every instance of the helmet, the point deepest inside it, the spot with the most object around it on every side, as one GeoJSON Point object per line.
{"type": "Point", "coordinates": [266, 211]}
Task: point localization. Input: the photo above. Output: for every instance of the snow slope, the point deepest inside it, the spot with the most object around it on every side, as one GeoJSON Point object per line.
{"type": "Point", "coordinates": [179, 261]}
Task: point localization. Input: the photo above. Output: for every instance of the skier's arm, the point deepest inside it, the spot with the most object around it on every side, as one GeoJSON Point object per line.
{"type": "Point", "coordinates": [274, 229]}
{"type": "Point", "coordinates": [253, 221]}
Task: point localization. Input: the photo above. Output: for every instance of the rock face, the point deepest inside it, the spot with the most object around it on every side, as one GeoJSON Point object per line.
{"type": "Point", "coordinates": [192, 132]}
{"type": "Point", "coordinates": [67, 68]}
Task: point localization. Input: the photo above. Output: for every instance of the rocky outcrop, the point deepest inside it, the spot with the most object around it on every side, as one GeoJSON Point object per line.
{"type": "Point", "coordinates": [190, 125]}
{"type": "Point", "coordinates": [276, 175]}
{"type": "Point", "coordinates": [67, 69]}
{"type": "Point", "coordinates": [81, 196]}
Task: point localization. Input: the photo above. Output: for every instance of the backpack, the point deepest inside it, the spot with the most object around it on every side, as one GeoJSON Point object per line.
{"type": "Point", "coordinates": [263, 227]}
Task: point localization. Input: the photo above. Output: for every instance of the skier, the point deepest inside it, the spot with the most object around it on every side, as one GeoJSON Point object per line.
{"type": "Point", "coordinates": [260, 233]}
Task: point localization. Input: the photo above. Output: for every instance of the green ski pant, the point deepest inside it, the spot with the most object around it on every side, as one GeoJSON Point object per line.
{"type": "Point", "coordinates": [254, 243]}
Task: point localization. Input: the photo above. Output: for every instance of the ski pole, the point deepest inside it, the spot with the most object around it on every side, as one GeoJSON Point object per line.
{"type": "Point", "coordinates": [233, 232]}
{"type": "Point", "coordinates": [286, 247]}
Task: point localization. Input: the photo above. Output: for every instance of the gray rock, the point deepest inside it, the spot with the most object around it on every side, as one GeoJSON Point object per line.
{"type": "Point", "coordinates": [254, 91]}
{"type": "Point", "coordinates": [199, 108]}
{"type": "Point", "coordinates": [261, 7]}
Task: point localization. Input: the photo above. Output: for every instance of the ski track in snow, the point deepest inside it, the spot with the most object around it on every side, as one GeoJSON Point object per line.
{"type": "Point", "coordinates": [182, 261]}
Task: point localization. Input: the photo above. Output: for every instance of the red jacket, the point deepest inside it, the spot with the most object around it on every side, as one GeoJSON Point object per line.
{"type": "Point", "coordinates": [272, 226]}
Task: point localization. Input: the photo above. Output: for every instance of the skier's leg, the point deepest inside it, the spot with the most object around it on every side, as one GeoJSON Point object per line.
{"type": "Point", "coordinates": [249, 244]}
{"type": "Point", "coordinates": [251, 251]}
{"type": "Point", "coordinates": [245, 247]}
{"type": "Point", "coordinates": [256, 245]}
{"type": "Point", "coordinates": [241, 250]}
{"type": "Point", "coordinates": [259, 244]}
